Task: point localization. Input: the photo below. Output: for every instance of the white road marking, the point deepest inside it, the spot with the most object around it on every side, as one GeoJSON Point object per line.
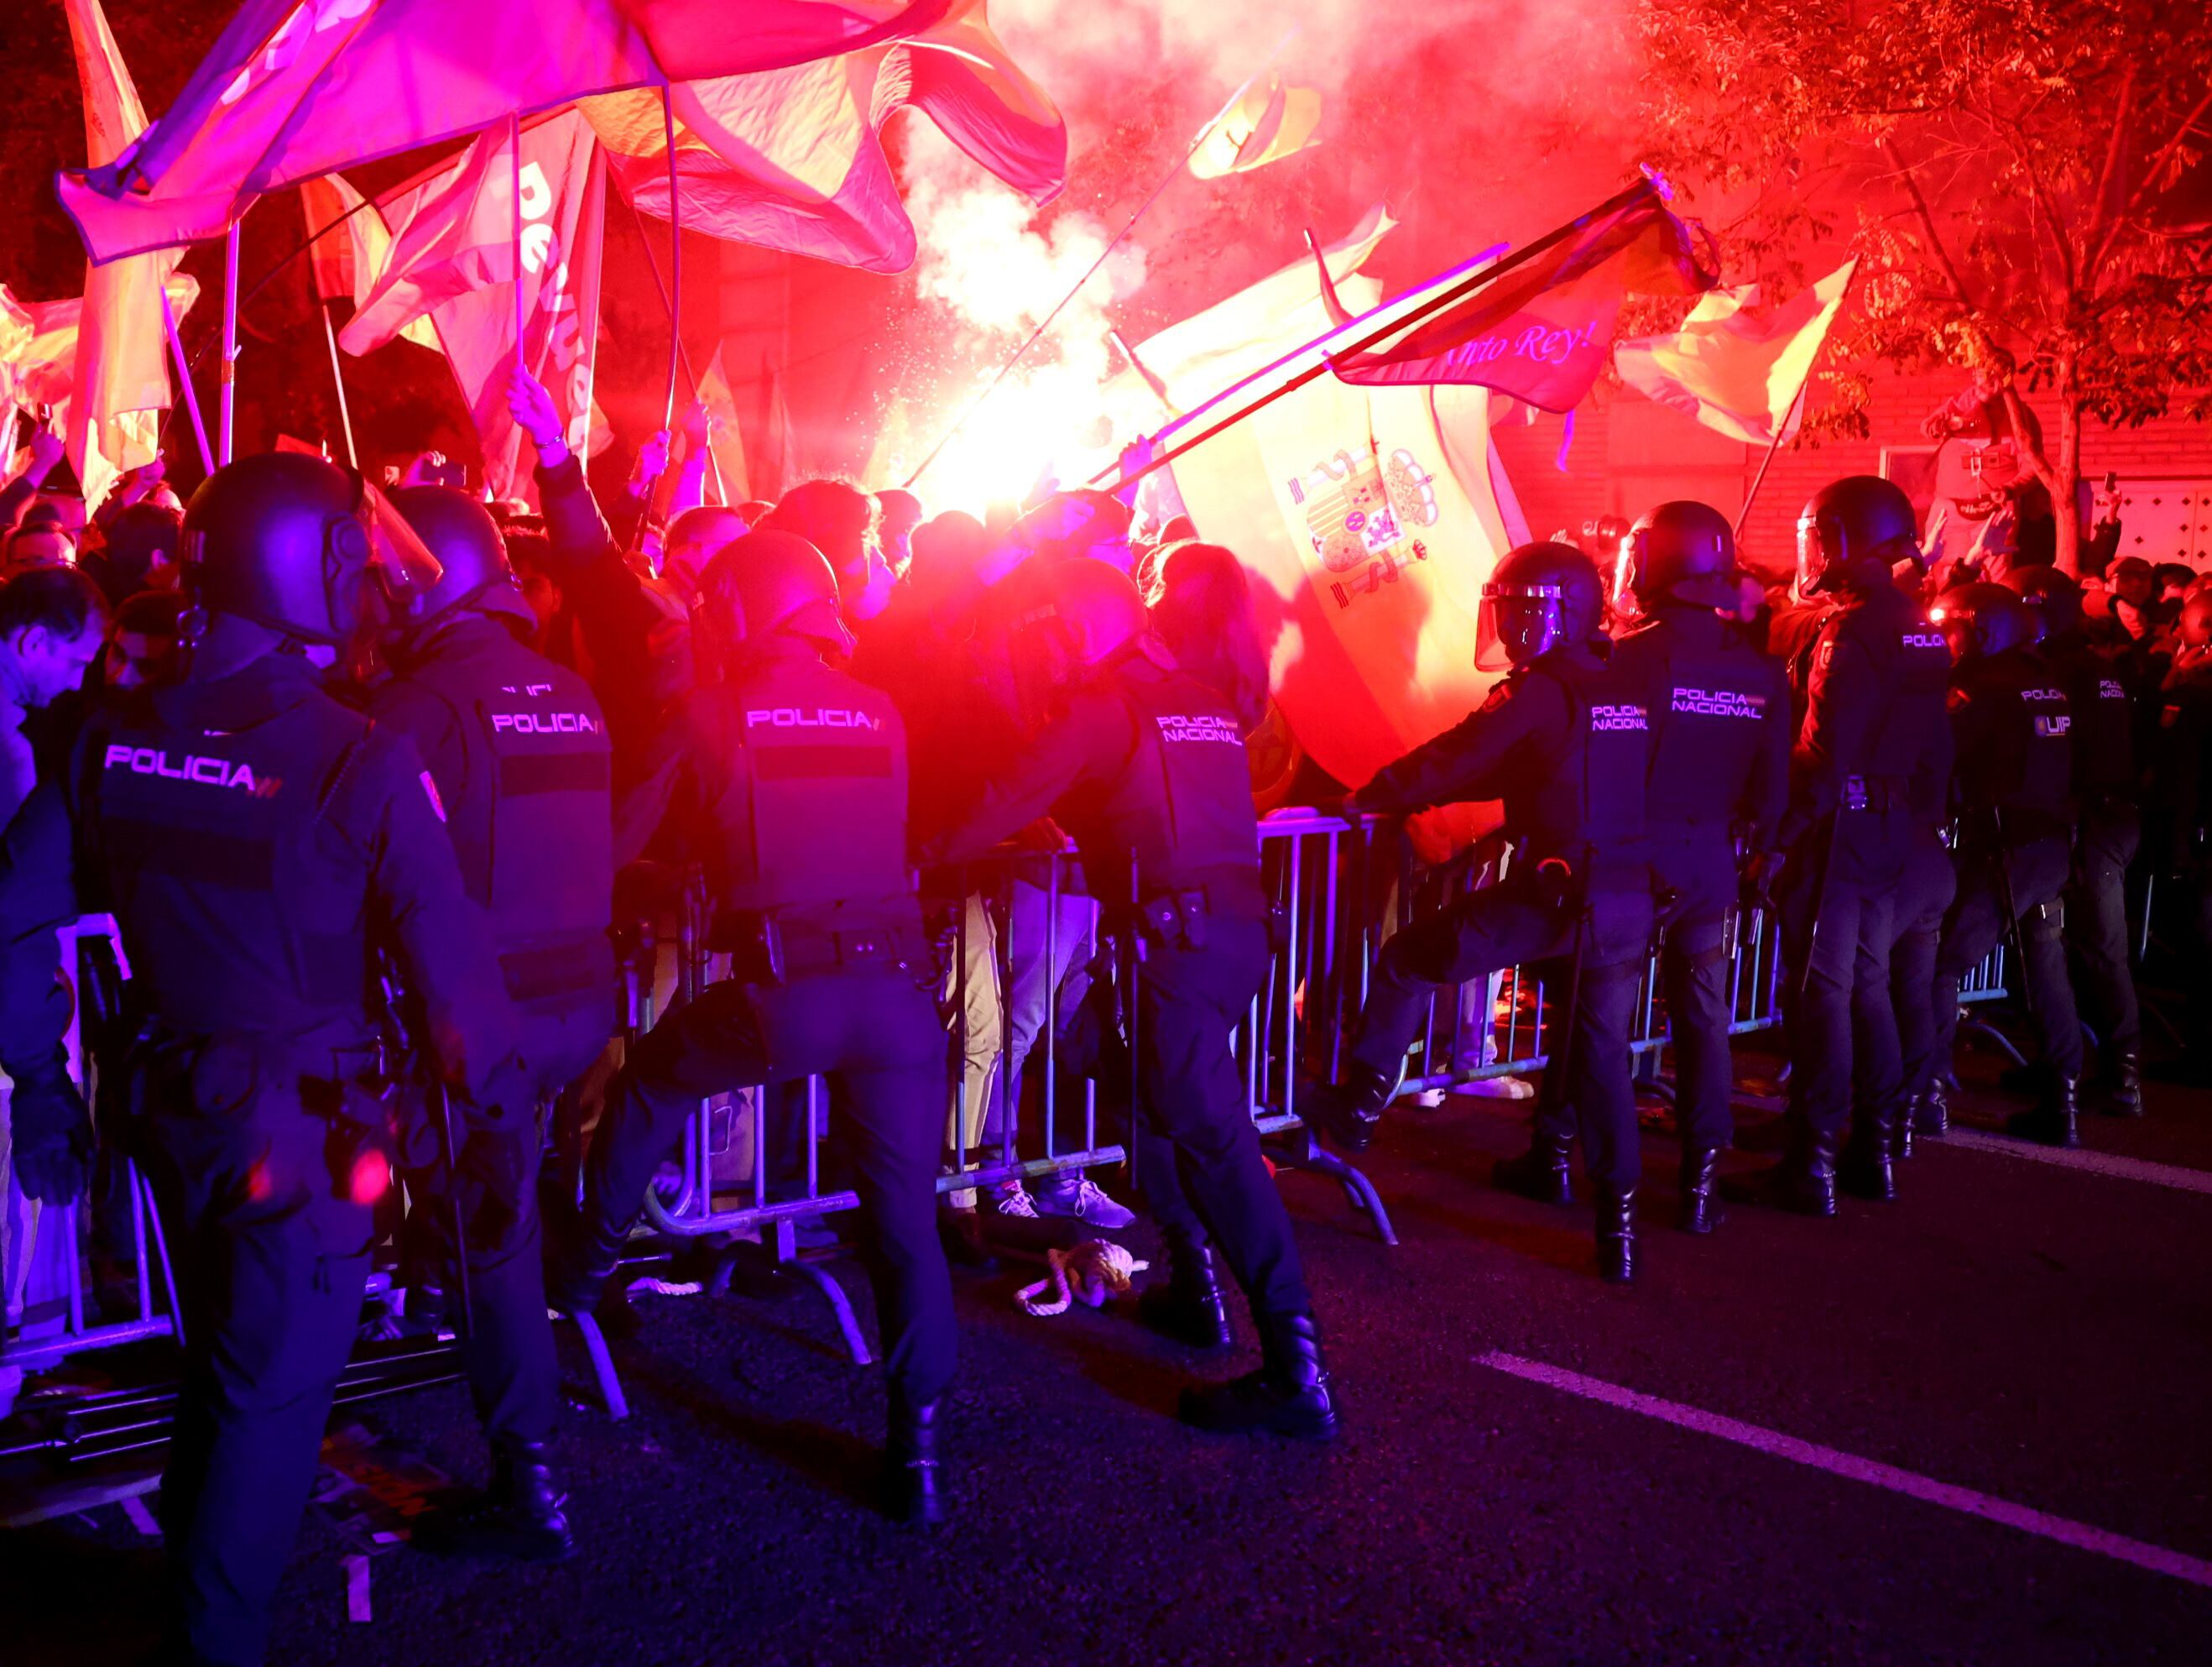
{"type": "Point", "coordinates": [356, 1579]}
{"type": "Point", "coordinates": [2080, 1536]}
{"type": "Point", "coordinates": [2179, 1178]}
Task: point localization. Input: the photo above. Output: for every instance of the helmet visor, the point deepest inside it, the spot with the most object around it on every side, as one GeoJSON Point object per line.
{"type": "Point", "coordinates": [1626, 563]}
{"type": "Point", "coordinates": [1811, 556]}
{"type": "Point", "coordinates": [400, 562]}
{"type": "Point", "coordinates": [1517, 623]}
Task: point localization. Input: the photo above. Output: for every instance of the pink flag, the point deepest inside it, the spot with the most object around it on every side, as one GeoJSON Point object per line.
{"type": "Point", "coordinates": [1541, 329]}
{"type": "Point", "coordinates": [122, 369]}
{"type": "Point", "coordinates": [295, 89]}
{"type": "Point", "coordinates": [793, 159]}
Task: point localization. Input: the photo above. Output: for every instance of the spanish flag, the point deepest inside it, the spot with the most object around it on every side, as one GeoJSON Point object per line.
{"type": "Point", "coordinates": [1267, 125]}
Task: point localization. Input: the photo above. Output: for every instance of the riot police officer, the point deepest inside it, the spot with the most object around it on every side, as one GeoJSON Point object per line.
{"type": "Point", "coordinates": [787, 780]}
{"type": "Point", "coordinates": [1720, 769]}
{"type": "Point", "coordinates": [2013, 790]}
{"type": "Point", "coordinates": [245, 828]}
{"type": "Point", "coordinates": [2180, 813]}
{"type": "Point", "coordinates": [1873, 735]}
{"type": "Point", "coordinates": [517, 749]}
{"type": "Point", "coordinates": [1144, 767]}
{"type": "Point", "coordinates": [2106, 788]}
{"type": "Point", "coordinates": [1565, 740]}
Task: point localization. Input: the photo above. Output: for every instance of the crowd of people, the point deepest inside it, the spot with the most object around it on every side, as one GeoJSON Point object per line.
{"type": "Point", "coordinates": [377, 780]}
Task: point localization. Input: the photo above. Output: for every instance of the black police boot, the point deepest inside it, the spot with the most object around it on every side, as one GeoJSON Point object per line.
{"type": "Point", "coordinates": [1351, 1112]}
{"type": "Point", "coordinates": [1541, 1172]}
{"type": "Point", "coordinates": [1867, 1170]}
{"type": "Point", "coordinates": [1931, 1115]}
{"type": "Point", "coordinates": [1616, 1235]}
{"type": "Point", "coordinates": [2054, 1122]}
{"type": "Point", "coordinates": [1901, 1130]}
{"type": "Point", "coordinates": [521, 1516]}
{"type": "Point", "coordinates": [581, 1256]}
{"type": "Point", "coordinates": [911, 1491]}
{"type": "Point", "coordinates": [1187, 1305]}
{"type": "Point", "coordinates": [1701, 1210]}
{"type": "Point", "coordinates": [961, 1232]}
{"type": "Point", "coordinates": [2123, 1085]}
{"type": "Point", "coordinates": [1288, 1395]}
{"type": "Point", "coordinates": [1804, 1182]}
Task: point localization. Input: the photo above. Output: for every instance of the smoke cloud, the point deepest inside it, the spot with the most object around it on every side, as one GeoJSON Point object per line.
{"type": "Point", "coordinates": [1475, 120]}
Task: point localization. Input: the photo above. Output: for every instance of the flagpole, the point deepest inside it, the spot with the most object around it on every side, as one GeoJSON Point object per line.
{"type": "Point", "coordinates": [337, 377]}
{"type": "Point", "coordinates": [184, 377]}
{"type": "Point", "coordinates": [514, 177]}
{"type": "Point", "coordinates": [675, 297]}
{"type": "Point", "coordinates": [1767, 462]}
{"type": "Point", "coordinates": [225, 418]}
{"type": "Point", "coordinates": [683, 353]}
{"type": "Point", "coordinates": [1128, 226]}
{"type": "Point", "coordinates": [1389, 327]}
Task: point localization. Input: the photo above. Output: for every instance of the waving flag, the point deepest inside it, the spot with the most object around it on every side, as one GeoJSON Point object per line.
{"type": "Point", "coordinates": [295, 88]}
{"type": "Point", "coordinates": [451, 263]}
{"type": "Point", "coordinates": [1212, 351]}
{"type": "Point", "coordinates": [1542, 329]}
{"type": "Point", "coordinates": [346, 260]}
{"type": "Point", "coordinates": [1267, 125]}
{"type": "Point", "coordinates": [1738, 364]}
{"type": "Point", "coordinates": [122, 367]}
{"type": "Point", "coordinates": [793, 159]}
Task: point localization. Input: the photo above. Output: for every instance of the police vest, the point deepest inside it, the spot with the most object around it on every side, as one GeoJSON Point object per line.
{"type": "Point", "coordinates": [1913, 665]}
{"type": "Point", "coordinates": [2027, 772]}
{"type": "Point", "coordinates": [528, 811]}
{"type": "Point", "coordinates": [811, 820]}
{"type": "Point", "coordinates": [1586, 805]}
{"type": "Point", "coordinates": [1181, 807]}
{"type": "Point", "coordinates": [243, 905]}
{"type": "Point", "coordinates": [2104, 722]}
{"type": "Point", "coordinates": [1708, 712]}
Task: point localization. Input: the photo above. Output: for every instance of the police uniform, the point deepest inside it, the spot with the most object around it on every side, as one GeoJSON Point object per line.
{"type": "Point", "coordinates": [1925, 893]}
{"type": "Point", "coordinates": [788, 780]}
{"type": "Point", "coordinates": [517, 756]}
{"type": "Point", "coordinates": [1720, 765]}
{"type": "Point", "coordinates": [2013, 789]}
{"type": "Point", "coordinates": [2106, 789]}
{"type": "Point", "coordinates": [2180, 812]}
{"type": "Point", "coordinates": [1565, 741]}
{"type": "Point", "coordinates": [1146, 772]}
{"type": "Point", "coordinates": [245, 832]}
{"type": "Point", "coordinates": [1874, 734]}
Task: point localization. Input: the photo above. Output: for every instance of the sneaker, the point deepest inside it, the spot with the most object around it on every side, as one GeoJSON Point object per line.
{"type": "Point", "coordinates": [1085, 1200]}
{"type": "Point", "coordinates": [1012, 1199]}
{"type": "Point", "coordinates": [1496, 1088]}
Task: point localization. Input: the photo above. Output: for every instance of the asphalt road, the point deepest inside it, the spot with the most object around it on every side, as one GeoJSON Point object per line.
{"type": "Point", "coordinates": [2038, 1334]}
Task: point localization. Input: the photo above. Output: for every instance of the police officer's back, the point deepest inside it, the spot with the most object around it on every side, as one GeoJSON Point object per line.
{"type": "Point", "coordinates": [2013, 792]}
{"type": "Point", "coordinates": [2108, 794]}
{"type": "Point", "coordinates": [245, 830]}
{"type": "Point", "coordinates": [1874, 733]}
{"type": "Point", "coordinates": [1145, 766]}
{"type": "Point", "coordinates": [786, 779]}
{"type": "Point", "coordinates": [1719, 772]}
{"type": "Point", "coordinates": [518, 754]}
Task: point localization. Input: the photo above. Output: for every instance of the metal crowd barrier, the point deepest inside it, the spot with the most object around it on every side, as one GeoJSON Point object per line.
{"type": "Point", "coordinates": [1332, 882]}
{"type": "Point", "coordinates": [92, 948]}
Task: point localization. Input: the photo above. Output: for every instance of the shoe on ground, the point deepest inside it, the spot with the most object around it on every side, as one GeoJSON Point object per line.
{"type": "Point", "coordinates": [1012, 1199]}
{"type": "Point", "coordinates": [1079, 1198]}
{"type": "Point", "coordinates": [1496, 1088]}
{"type": "Point", "coordinates": [521, 1518]}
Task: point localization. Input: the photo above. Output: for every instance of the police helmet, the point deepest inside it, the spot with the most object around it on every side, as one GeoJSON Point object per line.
{"type": "Point", "coordinates": [1981, 620]}
{"type": "Point", "coordinates": [1851, 524]}
{"type": "Point", "coordinates": [1682, 550]}
{"type": "Point", "coordinates": [1540, 596]}
{"type": "Point", "coordinates": [769, 582]}
{"type": "Point", "coordinates": [1096, 605]}
{"type": "Point", "coordinates": [2056, 598]}
{"type": "Point", "coordinates": [301, 546]}
{"type": "Point", "coordinates": [473, 569]}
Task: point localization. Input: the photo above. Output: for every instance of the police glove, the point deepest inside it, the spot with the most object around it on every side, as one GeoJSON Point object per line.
{"type": "Point", "coordinates": [52, 1132]}
{"type": "Point", "coordinates": [1760, 872]}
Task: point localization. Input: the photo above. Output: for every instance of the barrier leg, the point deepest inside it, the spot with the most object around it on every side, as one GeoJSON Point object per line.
{"type": "Point", "coordinates": [841, 1307]}
{"type": "Point", "coordinates": [603, 1368]}
{"type": "Point", "coordinates": [1308, 1153]}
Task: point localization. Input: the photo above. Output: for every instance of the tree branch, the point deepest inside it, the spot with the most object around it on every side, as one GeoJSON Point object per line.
{"type": "Point", "coordinates": [2157, 165]}
{"type": "Point", "coordinates": [1936, 249]}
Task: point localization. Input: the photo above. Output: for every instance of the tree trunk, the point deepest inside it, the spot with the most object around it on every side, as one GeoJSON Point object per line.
{"type": "Point", "coordinates": [2066, 489]}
